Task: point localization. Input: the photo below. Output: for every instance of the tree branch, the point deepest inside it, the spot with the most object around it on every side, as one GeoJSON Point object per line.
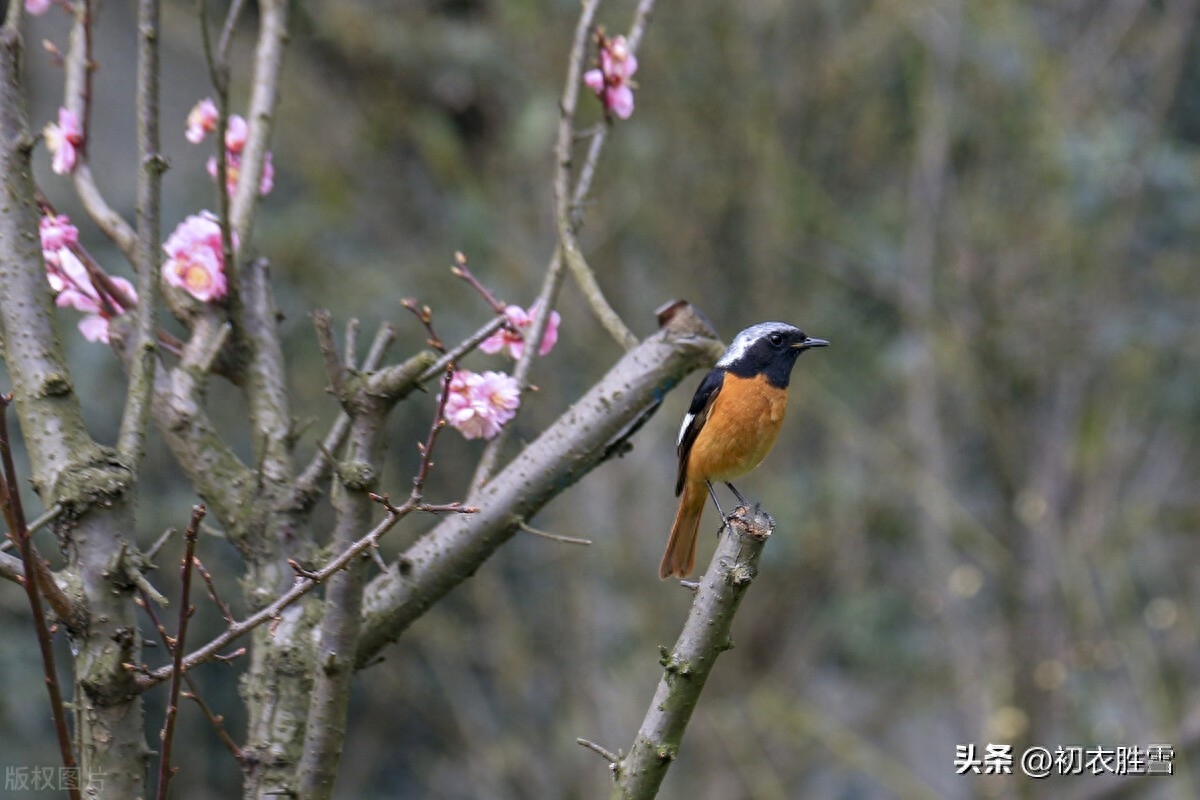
{"type": "Point", "coordinates": [78, 67]}
{"type": "Point", "coordinates": [11, 569]}
{"type": "Point", "coordinates": [14, 514]}
{"type": "Point", "coordinates": [136, 417]}
{"type": "Point", "coordinates": [324, 733]}
{"type": "Point", "coordinates": [318, 468]}
{"type": "Point", "coordinates": [570, 448]}
{"type": "Point", "coordinates": [490, 458]}
{"type": "Point", "coordinates": [177, 646]}
{"type": "Point", "coordinates": [552, 282]}
{"type": "Point", "coordinates": [308, 579]}
{"type": "Point", "coordinates": [568, 244]}
{"type": "Point", "coordinates": [705, 635]}
{"type": "Point", "coordinates": [268, 65]}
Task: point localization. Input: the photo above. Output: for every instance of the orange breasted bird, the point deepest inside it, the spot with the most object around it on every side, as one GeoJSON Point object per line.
{"type": "Point", "coordinates": [730, 427]}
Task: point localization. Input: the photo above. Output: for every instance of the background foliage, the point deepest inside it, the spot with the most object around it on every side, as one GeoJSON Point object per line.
{"type": "Point", "coordinates": [986, 492]}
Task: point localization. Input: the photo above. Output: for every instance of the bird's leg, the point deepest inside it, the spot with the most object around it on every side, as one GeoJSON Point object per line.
{"type": "Point", "coordinates": [713, 494]}
{"type": "Point", "coordinates": [737, 494]}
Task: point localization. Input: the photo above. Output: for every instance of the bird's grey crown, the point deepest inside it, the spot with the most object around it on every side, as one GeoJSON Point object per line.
{"type": "Point", "coordinates": [743, 341]}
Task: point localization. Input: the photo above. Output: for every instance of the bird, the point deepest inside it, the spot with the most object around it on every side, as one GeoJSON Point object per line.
{"type": "Point", "coordinates": [731, 425]}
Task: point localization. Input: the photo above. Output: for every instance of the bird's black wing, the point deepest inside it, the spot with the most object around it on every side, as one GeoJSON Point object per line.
{"type": "Point", "coordinates": [693, 421]}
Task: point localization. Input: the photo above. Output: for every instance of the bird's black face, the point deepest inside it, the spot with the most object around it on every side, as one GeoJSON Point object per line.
{"type": "Point", "coordinates": [771, 349]}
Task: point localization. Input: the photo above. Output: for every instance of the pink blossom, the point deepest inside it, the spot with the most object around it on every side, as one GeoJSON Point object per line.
{"type": "Point", "coordinates": [63, 140]}
{"type": "Point", "coordinates": [195, 260]}
{"type": "Point", "coordinates": [201, 120]}
{"type": "Point", "coordinates": [71, 281]}
{"type": "Point", "coordinates": [236, 132]}
{"type": "Point", "coordinates": [521, 323]}
{"type": "Point", "coordinates": [611, 81]}
{"type": "Point", "coordinates": [38, 7]}
{"type": "Point", "coordinates": [94, 325]}
{"type": "Point", "coordinates": [233, 172]}
{"type": "Point", "coordinates": [479, 404]}
{"type": "Point", "coordinates": [66, 273]}
{"type": "Point", "coordinates": [94, 328]}
{"type": "Point", "coordinates": [56, 232]}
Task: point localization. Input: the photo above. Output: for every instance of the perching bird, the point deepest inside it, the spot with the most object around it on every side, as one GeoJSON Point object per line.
{"type": "Point", "coordinates": [730, 427]}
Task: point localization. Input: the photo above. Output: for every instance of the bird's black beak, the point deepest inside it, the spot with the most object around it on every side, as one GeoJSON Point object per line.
{"type": "Point", "coordinates": [810, 342]}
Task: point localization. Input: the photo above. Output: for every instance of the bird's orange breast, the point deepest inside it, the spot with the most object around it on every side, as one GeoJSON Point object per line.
{"type": "Point", "coordinates": [740, 430]}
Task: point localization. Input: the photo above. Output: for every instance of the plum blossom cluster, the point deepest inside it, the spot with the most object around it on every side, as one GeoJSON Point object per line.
{"type": "Point", "coordinates": [480, 403]}
{"type": "Point", "coordinates": [195, 258]}
{"type": "Point", "coordinates": [202, 120]}
{"type": "Point", "coordinates": [72, 284]}
{"type": "Point", "coordinates": [63, 140]}
{"type": "Point", "coordinates": [612, 79]}
{"type": "Point", "coordinates": [520, 323]}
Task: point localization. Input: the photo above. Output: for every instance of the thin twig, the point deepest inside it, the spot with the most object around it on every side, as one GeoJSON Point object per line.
{"type": "Point", "coordinates": [424, 315]}
{"type": "Point", "coordinates": [462, 348]}
{"type": "Point", "coordinates": [218, 72]}
{"type": "Point", "coordinates": [608, 755]}
{"type": "Point", "coordinates": [556, 537]}
{"type": "Point", "coordinates": [227, 30]}
{"type": "Point", "coordinates": [459, 270]}
{"type": "Point", "coordinates": [14, 514]}
{"type": "Point", "coordinates": [303, 586]}
{"type": "Point", "coordinates": [212, 590]}
{"type": "Point", "coordinates": [216, 720]}
{"type": "Point", "coordinates": [49, 516]}
{"type": "Point", "coordinates": [162, 539]}
{"type": "Point", "coordinates": [426, 449]}
{"type": "Point", "coordinates": [193, 693]}
{"type": "Point", "coordinates": [185, 612]}
{"type": "Point", "coordinates": [139, 580]}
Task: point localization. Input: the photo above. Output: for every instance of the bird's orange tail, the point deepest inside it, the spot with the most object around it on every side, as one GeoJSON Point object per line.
{"type": "Point", "coordinates": [680, 557]}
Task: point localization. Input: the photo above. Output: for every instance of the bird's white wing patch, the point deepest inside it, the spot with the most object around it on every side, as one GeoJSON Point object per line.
{"type": "Point", "coordinates": [687, 420]}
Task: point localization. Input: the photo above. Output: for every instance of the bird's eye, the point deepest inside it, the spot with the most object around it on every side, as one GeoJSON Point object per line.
{"type": "Point", "coordinates": [775, 339]}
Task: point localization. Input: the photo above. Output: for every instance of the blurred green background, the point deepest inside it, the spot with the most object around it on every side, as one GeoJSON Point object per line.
{"type": "Point", "coordinates": [987, 487]}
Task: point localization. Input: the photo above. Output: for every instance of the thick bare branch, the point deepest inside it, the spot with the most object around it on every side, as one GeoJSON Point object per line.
{"type": "Point", "coordinates": [705, 635]}
{"type": "Point", "coordinates": [324, 733]}
{"type": "Point", "coordinates": [570, 448]}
